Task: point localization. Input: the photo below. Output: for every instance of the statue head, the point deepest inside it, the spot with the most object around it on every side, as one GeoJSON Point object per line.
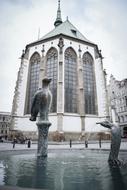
{"type": "Point", "coordinates": [46, 81]}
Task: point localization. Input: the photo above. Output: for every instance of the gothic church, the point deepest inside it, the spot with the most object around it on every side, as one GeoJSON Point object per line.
{"type": "Point", "coordinates": [78, 82]}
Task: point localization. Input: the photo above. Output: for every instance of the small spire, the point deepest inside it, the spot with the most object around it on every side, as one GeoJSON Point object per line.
{"type": "Point", "coordinates": [38, 33]}
{"type": "Point", "coordinates": [58, 18]}
{"type": "Point", "coordinates": [23, 53]}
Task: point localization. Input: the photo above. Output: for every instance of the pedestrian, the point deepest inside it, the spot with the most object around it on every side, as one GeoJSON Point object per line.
{"type": "Point", "coordinates": [70, 143]}
{"type": "Point", "coordinates": [100, 141]}
{"type": "Point", "coordinates": [86, 143]}
{"type": "Point", "coordinates": [29, 143]}
{"type": "Point", "coordinates": [14, 142]}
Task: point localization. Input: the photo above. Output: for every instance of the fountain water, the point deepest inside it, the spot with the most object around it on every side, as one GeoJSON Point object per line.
{"type": "Point", "coordinates": [62, 170]}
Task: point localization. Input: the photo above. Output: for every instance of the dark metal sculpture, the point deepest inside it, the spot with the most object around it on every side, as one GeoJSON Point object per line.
{"type": "Point", "coordinates": [41, 102]}
{"type": "Point", "coordinates": [115, 141]}
{"type": "Point", "coordinates": [40, 108]}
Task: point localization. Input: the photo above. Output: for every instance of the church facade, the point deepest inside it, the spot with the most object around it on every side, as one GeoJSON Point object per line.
{"type": "Point", "coordinates": [78, 85]}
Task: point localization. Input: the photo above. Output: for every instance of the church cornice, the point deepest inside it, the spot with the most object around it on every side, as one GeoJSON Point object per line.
{"type": "Point", "coordinates": [64, 36]}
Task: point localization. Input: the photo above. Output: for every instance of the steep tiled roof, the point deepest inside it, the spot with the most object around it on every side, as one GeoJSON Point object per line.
{"type": "Point", "coordinates": [67, 29]}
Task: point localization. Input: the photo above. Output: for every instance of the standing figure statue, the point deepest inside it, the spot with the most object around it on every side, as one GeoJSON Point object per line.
{"type": "Point", "coordinates": [115, 141]}
{"type": "Point", "coordinates": [40, 108]}
{"type": "Point", "coordinates": [41, 102]}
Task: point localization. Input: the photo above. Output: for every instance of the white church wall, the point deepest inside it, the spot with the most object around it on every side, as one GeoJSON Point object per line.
{"type": "Point", "coordinates": [22, 89]}
{"type": "Point", "coordinates": [91, 126]}
{"type": "Point", "coordinates": [100, 88]}
{"type": "Point", "coordinates": [71, 123]}
{"type": "Point", "coordinates": [24, 124]}
{"type": "Point", "coordinates": [53, 120]}
{"type": "Point", "coordinates": [34, 49]}
{"type": "Point", "coordinates": [50, 44]}
{"type": "Point", "coordinates": [47, 46]}
{"type": "Point", "coordinates": [75, 45]}
{"type": "Point", "coordinates": [67, 43]}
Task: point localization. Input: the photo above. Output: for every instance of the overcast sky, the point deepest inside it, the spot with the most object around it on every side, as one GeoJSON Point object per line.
{"type": "Point", "coordinates": [101, 21]}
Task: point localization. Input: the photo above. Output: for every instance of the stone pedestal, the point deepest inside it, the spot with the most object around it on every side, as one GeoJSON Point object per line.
{"type": "Point", "coordinates": [43, 127]}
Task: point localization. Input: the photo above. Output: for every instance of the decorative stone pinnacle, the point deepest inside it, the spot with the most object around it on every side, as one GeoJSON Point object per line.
{"type": "Point", "coordinates": [59, 3]}
{"type": "Point", "coordinates": [79, 49]}
{"type": "Point", "coordinates": [23, 53]}
{"type": "Point", "coordinates": [43, 49]}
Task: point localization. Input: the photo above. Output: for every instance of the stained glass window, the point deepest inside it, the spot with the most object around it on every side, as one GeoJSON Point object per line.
{"type": "Point", "coordinates": [89, 84]}
{"type": "Point", "coordinates": [70, 81]}
{"type": "Point", "coordinates": [51, 72]}
{"type": "Point", "coordinates": [33, 82]}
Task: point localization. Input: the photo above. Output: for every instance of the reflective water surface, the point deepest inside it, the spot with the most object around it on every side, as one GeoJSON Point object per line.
{"type": "Point", "coordinates": [62, 170]}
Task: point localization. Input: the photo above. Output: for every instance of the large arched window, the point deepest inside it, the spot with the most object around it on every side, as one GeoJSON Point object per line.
{"type": "Point", "coordinates": [33, 82]}
{"type": "Point", "coordinates": [51, 72]}
{"type": "Point", "coordinates": [89, 84]}
{"type": "Point", "coordinates": [70, 81]}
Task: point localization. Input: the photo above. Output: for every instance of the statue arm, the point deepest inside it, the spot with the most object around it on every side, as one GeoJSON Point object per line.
{"type": "Point", "coordinates": [33, 104]}
{"type": "Point", "coordinates": [106, 124]}
{"type": "Point", "coordinates": [34, 108]}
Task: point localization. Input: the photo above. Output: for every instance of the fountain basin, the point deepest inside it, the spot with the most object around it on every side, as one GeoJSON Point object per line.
{"type": "Point", "coordinates": [63, 170]}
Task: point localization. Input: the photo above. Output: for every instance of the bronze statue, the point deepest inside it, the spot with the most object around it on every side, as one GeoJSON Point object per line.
{"type": "Point", "coordinates": [40, 108]}
{"type": "Point", "coordinates": [41, 102]}
{"type": "Point", "coordinates": [115, 141]}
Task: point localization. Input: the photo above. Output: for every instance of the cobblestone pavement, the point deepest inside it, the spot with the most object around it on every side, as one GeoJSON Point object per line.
{"type": "Point", "coordinates": [63, 145]}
